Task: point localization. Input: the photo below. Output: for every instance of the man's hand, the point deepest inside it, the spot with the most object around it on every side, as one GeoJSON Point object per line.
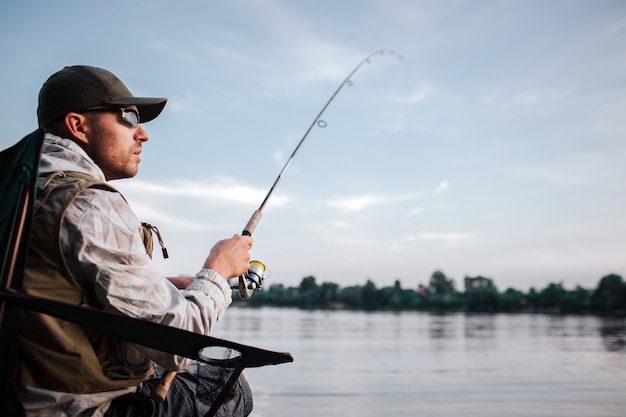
{"type": "Point", "coordinates": [230, 257]}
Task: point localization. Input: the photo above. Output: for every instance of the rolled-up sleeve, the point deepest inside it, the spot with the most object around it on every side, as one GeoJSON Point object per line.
{"type": "Point", "coordinates": [103, 248]}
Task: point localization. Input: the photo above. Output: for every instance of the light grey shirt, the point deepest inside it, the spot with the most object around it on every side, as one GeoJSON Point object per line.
{"type": "Point", "coordinates": [103, 248]}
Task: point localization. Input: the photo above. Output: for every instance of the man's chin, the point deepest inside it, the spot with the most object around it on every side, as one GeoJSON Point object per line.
{"type": "Point", "coordinates": [123, 175]}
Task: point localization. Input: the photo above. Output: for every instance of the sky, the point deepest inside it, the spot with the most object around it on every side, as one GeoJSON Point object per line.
{"type": "Point", "coordinates": [495, 147]}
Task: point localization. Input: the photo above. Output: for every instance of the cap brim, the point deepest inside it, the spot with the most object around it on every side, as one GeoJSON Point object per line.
{"type": "Point", "coordinates": [149, 108]}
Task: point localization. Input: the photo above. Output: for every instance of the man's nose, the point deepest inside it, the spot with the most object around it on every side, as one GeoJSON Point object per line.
{"type": "Point", "coordinates": [141, 134]}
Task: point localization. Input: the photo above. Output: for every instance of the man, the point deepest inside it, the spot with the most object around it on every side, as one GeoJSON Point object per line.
{"type": "Point", "coordinates": [87, 247]}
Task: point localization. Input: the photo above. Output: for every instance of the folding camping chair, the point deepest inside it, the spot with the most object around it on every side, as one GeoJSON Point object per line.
{"type": "Point", "coordinates": [18, 165]}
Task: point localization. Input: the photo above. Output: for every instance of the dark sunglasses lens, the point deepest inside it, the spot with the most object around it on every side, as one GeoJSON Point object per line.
{"type": "Point", "coordinates": [130, 117]}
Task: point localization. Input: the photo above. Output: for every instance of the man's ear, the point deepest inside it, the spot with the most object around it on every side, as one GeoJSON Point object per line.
{"type": "Point", "coordinates": [77, 127]}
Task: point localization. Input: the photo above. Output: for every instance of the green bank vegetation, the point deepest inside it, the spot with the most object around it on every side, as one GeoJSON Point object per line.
{"type": "Point", "coordinates": [479, 295]}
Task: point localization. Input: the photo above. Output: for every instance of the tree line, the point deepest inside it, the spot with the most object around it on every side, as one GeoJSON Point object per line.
{"type": "Point", "coordinates": [479, 295]}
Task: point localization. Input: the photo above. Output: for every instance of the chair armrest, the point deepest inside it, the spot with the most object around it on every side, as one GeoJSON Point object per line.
{"type": "Point", "coordinates": [153, 335]}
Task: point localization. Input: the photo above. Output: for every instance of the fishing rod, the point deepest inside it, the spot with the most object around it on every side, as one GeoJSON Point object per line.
{"type": "Point", "coordinates": [252, 280]}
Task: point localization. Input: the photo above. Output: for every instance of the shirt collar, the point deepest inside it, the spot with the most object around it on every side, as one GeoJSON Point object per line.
{"type": "Point", "coordinates": [61, 154]}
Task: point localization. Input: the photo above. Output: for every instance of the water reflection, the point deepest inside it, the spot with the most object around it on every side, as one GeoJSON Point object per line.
{"type": "Point", "coordinates": [362, 364]}
{"type": "Point", "coordinates": [307, 327]}
{"type": "Point", "coordinates": [442, 331]}
{"type": "Point", "coordinates": [480, 332]}
{"type": "Point", "coordinates": [440, 327]}
{"type": "Point", "coordinates": [613, 332]}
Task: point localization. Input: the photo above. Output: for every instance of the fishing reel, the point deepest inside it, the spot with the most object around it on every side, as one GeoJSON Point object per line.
{"type": "Point", "coordinates": [252, 280]}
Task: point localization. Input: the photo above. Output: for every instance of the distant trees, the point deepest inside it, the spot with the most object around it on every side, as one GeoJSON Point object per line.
{"type": "Point", "coordinates": [512, 300]}
{"type": "Point", "coordinates": [439, 284]}
{"type": "Point", "coordinates": [480, 295]}
{"type": "Point", "coordinates": [610, 294]}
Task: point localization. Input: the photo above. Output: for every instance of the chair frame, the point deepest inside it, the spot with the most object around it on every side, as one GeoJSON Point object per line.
{"type": "Point", "coordinates": [153, 335]}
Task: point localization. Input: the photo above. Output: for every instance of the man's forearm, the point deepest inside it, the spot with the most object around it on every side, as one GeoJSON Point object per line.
{"type": "Point", "coordinates": [180, 282]}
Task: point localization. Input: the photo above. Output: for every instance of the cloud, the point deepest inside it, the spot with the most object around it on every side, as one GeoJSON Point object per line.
{"type": "Point", "coordinates": [284, 152]}
{"type": "Point", "coordinates": [615, 28]}
{"type": "Point", "coordinates": [450, 238]}
{"type": "Point", "coordinates": [537, 100]}
{"type": "Point", "coordinates": [352, 241]}
{"type": "Point", "coordinates": [442, 187]}
{"type": "Point", "coordinates": [531, 97]}
{"type": "Point", "coordinates": [220, 190]}
{"type": "Point", "coordinates": [161, 218]}
{"type": "Point", "coordinates": [308, 55]}
{"type": "Point", "coordinates": [417, 96]}
{"type": "Point", "coordinates": [360, 203]}
{"type": "Point", "coordinates": [338, 224]}
{"type": "Point", "coordinates": [550, 175]}
{"type": "Point", "coordinates": [415, 211]}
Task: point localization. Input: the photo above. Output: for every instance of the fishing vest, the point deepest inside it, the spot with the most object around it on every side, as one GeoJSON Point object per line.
{"type": "Point", "coordinates": [55, 354]}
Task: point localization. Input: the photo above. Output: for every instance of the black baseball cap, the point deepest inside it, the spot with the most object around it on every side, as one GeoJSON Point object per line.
{"type": "Point", "coordinates": [81, 87]}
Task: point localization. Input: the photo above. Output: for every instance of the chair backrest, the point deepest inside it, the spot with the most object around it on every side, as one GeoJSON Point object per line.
{"type": "Point", "coordinates": [18, 177]}
{"type": "Point", "coordinates": [18, 165]}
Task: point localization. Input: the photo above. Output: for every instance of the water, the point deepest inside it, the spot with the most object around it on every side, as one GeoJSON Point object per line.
{"type": "Point", "coordinates": [419, 364]}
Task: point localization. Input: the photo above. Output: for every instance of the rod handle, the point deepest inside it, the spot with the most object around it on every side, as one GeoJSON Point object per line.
{"type": "Point", "coordinates": [159, 392]}
{"type": "Point", "coordinates": [254, 220]}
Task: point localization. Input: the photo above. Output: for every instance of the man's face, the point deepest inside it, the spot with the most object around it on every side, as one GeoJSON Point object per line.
{"type": "Point", "coordinates": [114, 145]}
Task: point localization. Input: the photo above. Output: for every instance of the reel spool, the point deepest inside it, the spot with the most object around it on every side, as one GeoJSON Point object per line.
{"type": "Point", "coordinates": [252, 280]}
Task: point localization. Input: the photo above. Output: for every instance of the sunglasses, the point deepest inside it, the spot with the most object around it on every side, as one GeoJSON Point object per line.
{"type": "Point", "coordinates": [129, 117]}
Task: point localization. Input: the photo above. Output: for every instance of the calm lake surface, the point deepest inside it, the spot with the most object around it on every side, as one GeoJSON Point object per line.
{"type": "Point", "coordinates": [420, 364]}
